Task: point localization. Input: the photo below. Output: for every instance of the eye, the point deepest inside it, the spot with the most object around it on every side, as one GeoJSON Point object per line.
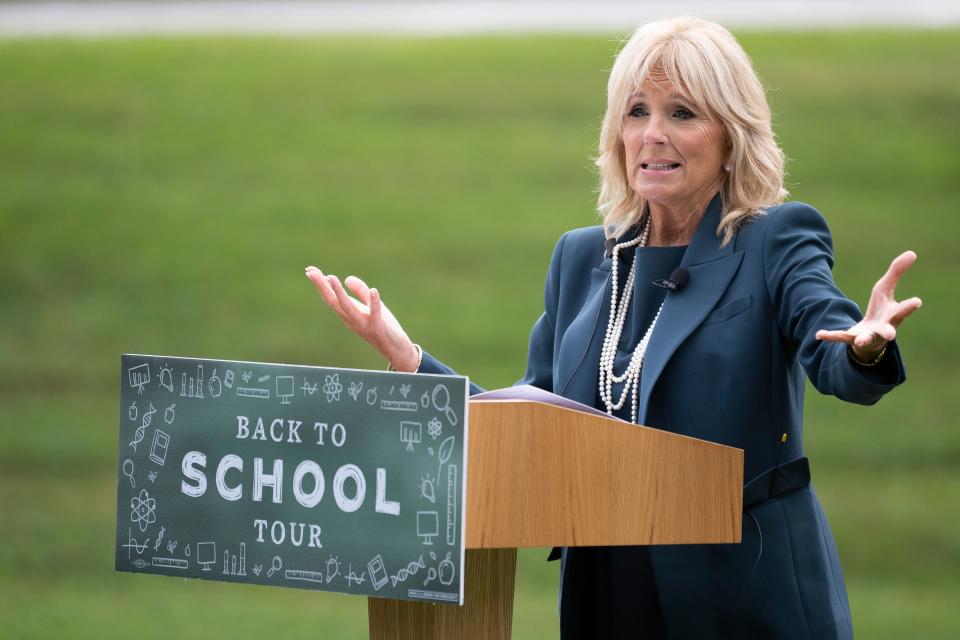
{"type": "Point", "coordinates": [637, 111]}
{"type": "Point", "coordinates": [682, 113]}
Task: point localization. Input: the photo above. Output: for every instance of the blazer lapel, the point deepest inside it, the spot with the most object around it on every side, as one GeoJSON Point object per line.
{"type": "Point", "coordinates": [711, 268]}
{"type": "Point", "coordinates": [580, 383]}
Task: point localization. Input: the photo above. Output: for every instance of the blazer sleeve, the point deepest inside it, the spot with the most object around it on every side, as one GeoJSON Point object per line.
{"type": "Point", "coordinates": [541, 349]}
{"type": "Point", "coordinates": [798, 263]}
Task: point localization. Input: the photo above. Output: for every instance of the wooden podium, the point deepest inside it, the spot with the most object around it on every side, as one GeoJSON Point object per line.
{"type": "Point", "coordinates": [545, 476]}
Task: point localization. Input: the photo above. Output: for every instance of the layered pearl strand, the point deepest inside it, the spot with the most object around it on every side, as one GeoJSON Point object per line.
{"type": "Point", "coordinates": [618, 314]}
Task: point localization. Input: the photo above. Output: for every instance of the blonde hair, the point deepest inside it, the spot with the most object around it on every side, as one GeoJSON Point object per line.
{"type": "Point", "coordinates": [713, 69]}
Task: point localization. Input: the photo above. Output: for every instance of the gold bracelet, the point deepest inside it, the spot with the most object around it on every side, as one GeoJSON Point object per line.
{"type": "Point", "coordinates": [873, 362]}
{"type": "Point", "coordinates": [390, 366]}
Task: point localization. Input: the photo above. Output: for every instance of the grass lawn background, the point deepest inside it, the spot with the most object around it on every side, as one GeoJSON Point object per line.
{"type": "Point", "coordinates": [163, 196]}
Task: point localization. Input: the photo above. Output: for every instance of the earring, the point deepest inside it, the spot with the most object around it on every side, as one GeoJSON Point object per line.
{"type": "Point", "coordinates": [728, 167]}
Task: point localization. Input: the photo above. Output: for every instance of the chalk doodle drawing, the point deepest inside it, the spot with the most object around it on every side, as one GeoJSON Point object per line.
{"type": "Point", "coordinates": [186, 551]}
{"type": "Point", "coordinates": [434, 428]}
{"type": "Point", "coordinates": [405, 390]}
{"type": "Point", "coordinates": [425, 399]}
{"type": "Point", "coordinates": [354, 390]}
{"type": "Point", "coordinates": [228, 379]}
{"type": "Point", "coordinates": [302, 574]}
{"type": "Point", "coordinates": [247, 376]}
{"type": "Point", "coordinates": [170, 563]}
{"type": "Point", "coordinates": [171, 546]}
{"type": "Point", "coordinates": [132, 544]}
{"type": "Point", "coordinates": [444, 452]}
{"type": "Point", "coordinates": [451, 504]}
{"type": "Point", "coordinates": [152, 476]}
{"type": "Point", "coordinates": [139, 563]}
{"type": "Point", "coordinates": [353, 579]}
{"type": "Point", "coordinates": [128, 471]}
{"type": "Point", "coordinates": [139, 376]}
{"type": "Point", "coordinates": [264, 378]}
{"type": "Point", "coordinates": [170, 414]}
{"type": "Point", "coordinates": [378, 573]}
{"type": "Point", "coordinates": [428, 489]}
{"type": "Point", "coordinates": [257, 568]}
{"type": "Point", "coordinates": [234, 565]}
{"type": "Point", "coordinates": [215, 385]}
{"type": "Point", "coordinates": [143, 510]}
{"type": "Point", "coordinates": [411, 433]}
{"type": "Point", "coordinates": [431, 572]}
{"type": "Point", "coordinates": [332, 387]}
{"type": "Point", "coordinates": [206, 554]}
{"type": "Point", "coordinates": [132, 411]}
{"type": "Point", "coordinates": [333, 568]}
{"type": "Point", "coordinates": [253, 392]}
{"type": "Point", "coordinates": [142, 429]}
{"type": "Point", "coordinates": [441, 402]}
{"type": "Point", "coordinates": [428, 526]}
{"type": "Point", "coordinates": [372, 396]}
{"type": "Point", "coordinates": [447, 570]}
{"type": "Point", "coordinates": [412, 569]}
{"type": "Point", "coordinates": [166, 377]}
{"type": "Point", "coordinates": [398, 405]}
{"type": "Point", "coordinates": [275, 566]}
{"type": "Point", "coordinates": [156, 545]}
{"type": "Point", "coordinates": [309, 389]}
{"type": "Point", "coordinates": [195, 388]}
{"type": "Point", "coordinates": [159, 447]}
{"type": "Point", "coordinates": [285, 389]}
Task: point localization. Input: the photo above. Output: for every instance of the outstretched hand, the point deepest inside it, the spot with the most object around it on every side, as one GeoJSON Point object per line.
{"type": "Point", "coordinates": [367, 316]}
{"type": "Point", "coordinates": [870, 336]}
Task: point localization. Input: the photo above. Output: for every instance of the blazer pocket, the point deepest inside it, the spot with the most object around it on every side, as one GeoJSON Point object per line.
{"type": "Point", "coordinates": [730, 310]}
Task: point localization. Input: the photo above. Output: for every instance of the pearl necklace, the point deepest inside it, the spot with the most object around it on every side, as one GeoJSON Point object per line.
{"type": "Point", "coordinates": [618, 314]}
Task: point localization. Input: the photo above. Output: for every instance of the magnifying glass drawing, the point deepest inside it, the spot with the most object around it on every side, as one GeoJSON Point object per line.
{"type": "Point", "coordinates": [441, 402]}
{"type": "Point", "coordinates": [128, 471]}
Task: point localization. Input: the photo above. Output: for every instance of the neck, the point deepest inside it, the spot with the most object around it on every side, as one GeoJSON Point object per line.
{"type": "Point", "coordinates": [672, 226]}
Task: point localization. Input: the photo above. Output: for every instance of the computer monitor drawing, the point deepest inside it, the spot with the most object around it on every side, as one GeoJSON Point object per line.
{"type": "Point", "coordinates": [285, 388]}
{"type": "Point", "coordinates": [428, 526]}
{"type": "Point", "coordinates": [206, 554]}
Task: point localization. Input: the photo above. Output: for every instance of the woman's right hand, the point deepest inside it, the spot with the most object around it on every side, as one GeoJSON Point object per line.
{"type": "Point", "coordinates": [368, 317]}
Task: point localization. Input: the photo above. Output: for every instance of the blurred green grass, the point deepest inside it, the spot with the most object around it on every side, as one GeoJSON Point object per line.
{"type": "Point", "coordinates": [163, 195]}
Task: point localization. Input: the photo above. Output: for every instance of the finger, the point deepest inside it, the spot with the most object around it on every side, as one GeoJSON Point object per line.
{"type": "Point", "coordinates": [895, 271]}
{"type": "Point", "coordinates": [350, 306]}
{"type": "Point", "coordinates": [904, 309]}
{"type": "Point", "coordinates": [322, 286]}
{"type": "Point", "coordinates": [835, 336]}
{"type": "Point", "coordinates": [359, 288]}
{"type": "Point", "coordinates": [375, 307]}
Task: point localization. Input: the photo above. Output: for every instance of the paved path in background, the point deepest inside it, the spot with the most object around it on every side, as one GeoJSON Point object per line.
{"type": "Point", "coordinates": [94, 19]}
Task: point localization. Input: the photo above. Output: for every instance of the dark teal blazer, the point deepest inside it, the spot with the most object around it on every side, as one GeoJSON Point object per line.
{"type": "Point", "coordinates": [726, 363]}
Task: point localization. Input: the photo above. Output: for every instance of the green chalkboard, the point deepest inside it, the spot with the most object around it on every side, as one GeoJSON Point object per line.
{"type": "Point", "coordinates": [282, 475]}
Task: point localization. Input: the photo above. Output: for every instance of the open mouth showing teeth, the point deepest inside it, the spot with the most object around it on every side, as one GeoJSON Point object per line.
{"type": "Point", "coordinates": [660, 166]}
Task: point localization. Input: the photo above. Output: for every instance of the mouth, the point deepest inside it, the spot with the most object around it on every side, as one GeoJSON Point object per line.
{"type": "Point", "coordinates": [659, 166]}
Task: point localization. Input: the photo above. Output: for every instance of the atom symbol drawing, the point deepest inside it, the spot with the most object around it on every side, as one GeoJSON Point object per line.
{"type": "Point", "coordinates": [434, 428]}
{"type": "Point", "coordinates": [332, 387]}
{"type": "Point", "coordinates": [144, 510]}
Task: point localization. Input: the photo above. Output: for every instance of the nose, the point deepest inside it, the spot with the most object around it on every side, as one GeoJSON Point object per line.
{"type": "Point", "coordinates": [654, 132]}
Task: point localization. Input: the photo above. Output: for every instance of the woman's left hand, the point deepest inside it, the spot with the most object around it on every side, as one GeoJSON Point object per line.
{"type": "Point", "coordinates": [870, 336]}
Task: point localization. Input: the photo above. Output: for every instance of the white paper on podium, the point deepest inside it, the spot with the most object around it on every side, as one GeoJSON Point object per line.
{"type": "Point", "coordinates": [535, 394]}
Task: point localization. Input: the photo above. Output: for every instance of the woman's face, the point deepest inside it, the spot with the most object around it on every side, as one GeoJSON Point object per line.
{"type": "Point", "coordinates": [674, 154]}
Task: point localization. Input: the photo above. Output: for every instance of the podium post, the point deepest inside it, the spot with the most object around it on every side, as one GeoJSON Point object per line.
{"type": "Point", "coordinates": [545, 476]}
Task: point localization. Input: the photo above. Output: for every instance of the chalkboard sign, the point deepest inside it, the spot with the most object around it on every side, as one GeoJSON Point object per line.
{"type": "Point", "coordinates": [309, 477]}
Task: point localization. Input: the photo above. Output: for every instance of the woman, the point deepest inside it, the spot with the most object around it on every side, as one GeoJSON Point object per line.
{"type": "Point", "coordinates": [691, 193]}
